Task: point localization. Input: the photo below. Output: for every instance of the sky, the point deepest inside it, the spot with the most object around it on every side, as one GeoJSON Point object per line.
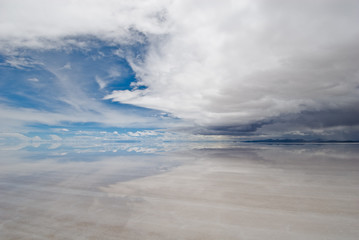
{"type": "Point", "coordinates": [179, 69]}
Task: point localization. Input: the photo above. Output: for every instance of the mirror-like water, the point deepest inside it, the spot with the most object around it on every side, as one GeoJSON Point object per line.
{"type": "Point", "coordinates": [192, 191]}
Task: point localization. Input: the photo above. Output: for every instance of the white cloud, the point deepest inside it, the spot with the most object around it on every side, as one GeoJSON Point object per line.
{"type": "Point", "coordinates": [113, 73]}
{"type": "Point", "coordinates": [36, 139]}
{"type": "Point", "coordinates": [142, 149]}
{"type": "Point", "coordinates": [51, 24]}
{"type": "Point", "coordinates": [12, 119]}
{"type": "Point", "coordinates": [20, 62]}
{"type": "Point", "coordinates": [101, 83]}
{"type": "Point", "coordinates": [67, 66]}
{"type": "Point", "coordinates": [143, 133]}
{"type": "Point", "coordinates": [236, 62]}
{"type": "Point", "coordinates": [33, 79]}
{"type": "Point", "coordinates": [212, 62]}
{"type": "Point", "coordinates": [55, 137]}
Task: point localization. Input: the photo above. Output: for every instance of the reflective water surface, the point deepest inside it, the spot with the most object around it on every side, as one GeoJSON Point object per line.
{"type": "Point", "coordinates": [180, 191]}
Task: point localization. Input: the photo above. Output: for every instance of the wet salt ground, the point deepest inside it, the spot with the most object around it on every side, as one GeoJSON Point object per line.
{"type": "Point", "coordinates": [231, 192]}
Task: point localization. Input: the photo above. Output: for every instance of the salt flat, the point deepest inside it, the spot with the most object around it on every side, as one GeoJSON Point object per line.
{"type": "Point", "coordinates": [237, 192]}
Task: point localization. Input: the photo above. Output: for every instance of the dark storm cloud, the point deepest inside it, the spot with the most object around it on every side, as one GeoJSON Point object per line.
{"type": "Point", "coordinates": [333, 123]}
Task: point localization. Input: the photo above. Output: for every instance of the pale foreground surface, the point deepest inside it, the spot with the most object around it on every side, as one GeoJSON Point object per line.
{"type": "Point", "coordinates": [236, 192]}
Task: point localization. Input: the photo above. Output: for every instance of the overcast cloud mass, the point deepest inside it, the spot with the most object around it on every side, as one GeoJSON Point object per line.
{"type": "Point", "coordinates": [254, 69]}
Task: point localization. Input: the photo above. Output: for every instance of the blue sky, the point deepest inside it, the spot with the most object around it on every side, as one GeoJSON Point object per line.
{"type": "Point", "coordinates": [49, 79]}
{"type": "Point", "coordinates": [63, 90]}
{"type": "Point", "coordinates": [180, 69]}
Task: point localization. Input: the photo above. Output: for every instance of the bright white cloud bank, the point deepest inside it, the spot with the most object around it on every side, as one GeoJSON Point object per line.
{"type": "Point", "coordinates": [240, 61]}
{"type": "Point", "coordinates": [217, 63]}
{"type": "Point", "coordinates": [49, 24]}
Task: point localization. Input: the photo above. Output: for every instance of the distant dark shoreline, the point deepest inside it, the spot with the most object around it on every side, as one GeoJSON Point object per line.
{"type": "Point", "coordinates": [299, 141]}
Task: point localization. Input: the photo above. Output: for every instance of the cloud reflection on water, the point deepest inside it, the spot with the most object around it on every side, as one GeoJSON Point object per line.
{"type": "Point", "coordinates": [127, 191]}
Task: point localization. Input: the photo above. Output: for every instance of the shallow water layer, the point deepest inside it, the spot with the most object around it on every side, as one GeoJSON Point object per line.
{"type": "Point", "coordinates": [203, 191]}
